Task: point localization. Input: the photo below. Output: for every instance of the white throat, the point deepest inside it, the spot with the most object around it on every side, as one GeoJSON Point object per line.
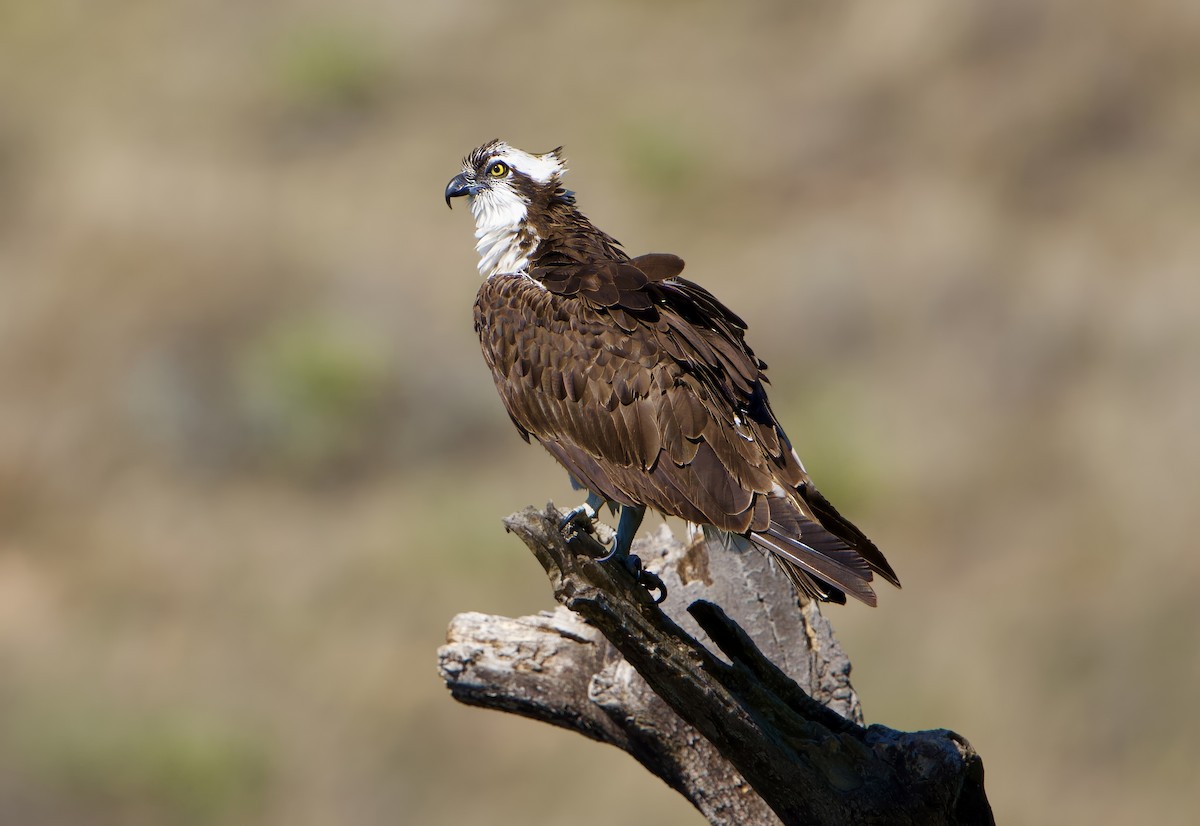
{"type": "Point", "coordinates": [501, 230]}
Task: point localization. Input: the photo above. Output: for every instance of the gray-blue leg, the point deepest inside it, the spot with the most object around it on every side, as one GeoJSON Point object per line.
{"type": "Point", "coordinates": [631, 520]}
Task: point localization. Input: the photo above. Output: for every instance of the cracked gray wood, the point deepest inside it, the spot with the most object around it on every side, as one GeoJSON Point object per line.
{"type": "Point", "coordinates": [747, 739]}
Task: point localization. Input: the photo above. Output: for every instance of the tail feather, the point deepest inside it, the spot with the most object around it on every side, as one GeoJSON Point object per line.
{"type": "Point", "coordinates": [804, 583]}
{"type": "Point", "coordinates": [809, 586]}
{"type": "Point", "coordinates": [855, 583]}
{"type": "Point", "coordinates": [839, 525]}
{"type": "Point", "coordinates": [819, 550]}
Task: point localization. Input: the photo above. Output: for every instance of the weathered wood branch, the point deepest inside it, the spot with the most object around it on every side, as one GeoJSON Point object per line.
{"type": "Point", "coordinates": [749, 738]}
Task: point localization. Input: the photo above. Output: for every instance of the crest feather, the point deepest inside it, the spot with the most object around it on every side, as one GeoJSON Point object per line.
{"type": "Point", "coordinates": [546, 168]}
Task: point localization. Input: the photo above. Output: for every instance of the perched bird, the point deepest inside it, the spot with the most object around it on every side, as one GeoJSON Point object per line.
{"type": "Point", "coordinates": [639, 382]}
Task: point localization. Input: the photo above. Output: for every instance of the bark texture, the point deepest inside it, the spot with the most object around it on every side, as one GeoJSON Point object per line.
{"type": "Point", "coordinates": [765, 729]}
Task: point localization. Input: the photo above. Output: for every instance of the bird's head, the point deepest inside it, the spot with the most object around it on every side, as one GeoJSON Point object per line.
{"type": "Point", "coordinates": [501, 182]}
{"type": "Point", "coordinates": [504, 186]}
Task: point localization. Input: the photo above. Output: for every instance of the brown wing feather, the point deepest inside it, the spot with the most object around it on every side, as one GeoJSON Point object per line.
{"type": "Point", "coordinates": [659, 266]}
{"type": "Point", "coordinates": [641, 385]}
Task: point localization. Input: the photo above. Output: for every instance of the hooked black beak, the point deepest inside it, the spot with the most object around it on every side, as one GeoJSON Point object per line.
{"type": "Point", "coordinates": [459, 185]}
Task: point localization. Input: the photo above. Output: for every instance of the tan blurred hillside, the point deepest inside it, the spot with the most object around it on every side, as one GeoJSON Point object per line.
{"type": "Point", "coordinates": [251, 462]}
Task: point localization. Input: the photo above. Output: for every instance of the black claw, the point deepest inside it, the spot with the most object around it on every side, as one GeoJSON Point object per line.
{"type": "Point", "coordinates": [647, 579]}
{"type": "Point", "coordinates": [651, 582]}
{"type": "Point", "coordinates": [611, 555]}
{"type": "Point", "coordinates": [582, 516]}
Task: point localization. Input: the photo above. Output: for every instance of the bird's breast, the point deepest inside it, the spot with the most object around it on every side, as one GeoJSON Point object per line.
{"type": "Point", "coordinates": [523, 328]}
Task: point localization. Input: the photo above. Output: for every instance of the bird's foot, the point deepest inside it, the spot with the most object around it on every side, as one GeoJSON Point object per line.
{"type": "Point", "coordinates": [633, 564]}
{"type": "Point", "coordinates": [583, 517]}
{"type": "Point", "coordinates": [647, 579]}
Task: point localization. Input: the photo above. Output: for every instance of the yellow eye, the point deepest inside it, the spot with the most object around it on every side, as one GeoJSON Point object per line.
{"type": "Point", "coordinates": [498, 170]}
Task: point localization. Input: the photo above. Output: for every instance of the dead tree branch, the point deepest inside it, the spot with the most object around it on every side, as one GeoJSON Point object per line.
{"type": "Point", "coordinates": [747, 739]}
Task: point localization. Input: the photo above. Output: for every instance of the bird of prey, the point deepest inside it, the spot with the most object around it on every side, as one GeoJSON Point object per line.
{"type": "Point", "coordinates": [640, 382]}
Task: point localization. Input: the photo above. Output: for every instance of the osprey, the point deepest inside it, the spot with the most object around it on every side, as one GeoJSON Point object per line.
{"type": "Point", "coordinates": [640, 383]}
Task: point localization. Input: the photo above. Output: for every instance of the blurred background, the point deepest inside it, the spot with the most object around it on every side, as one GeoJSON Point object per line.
{"type": "Point", "coordinates": [251, 462]}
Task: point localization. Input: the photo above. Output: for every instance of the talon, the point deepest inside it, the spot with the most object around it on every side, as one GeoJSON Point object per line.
{"type": "Point", "coordinates": [631, 517]}
{"type": "Point", "coordinates": [615, 553]}
{"type": "Point", "coordinates": [633, 564]}
{"type": "Point", "coordinates": [585, 514]}
{"type": "Point", "coordinates": [651, 582]}
{"type": "Point", "coordinates": [647, 579]}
